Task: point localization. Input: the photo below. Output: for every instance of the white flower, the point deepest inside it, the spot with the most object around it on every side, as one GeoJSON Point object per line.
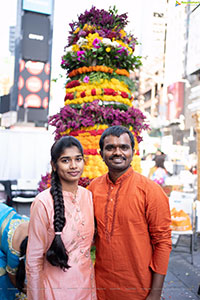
{"type": "Point", "coordinates": [68, 49]}
{"type": "Point", "coordinates": [107, 42]}
{"type": "Point", "coordinates": [115, 44]}
{"type": "Point", "coordinates": [82, 41]}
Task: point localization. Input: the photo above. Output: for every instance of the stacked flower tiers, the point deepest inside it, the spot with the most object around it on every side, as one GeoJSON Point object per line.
{"type": "Point", "coordinates": [98, 59]}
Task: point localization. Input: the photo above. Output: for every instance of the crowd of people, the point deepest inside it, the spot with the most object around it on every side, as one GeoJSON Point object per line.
{"type": "Point", "coordinates": [123, 213]}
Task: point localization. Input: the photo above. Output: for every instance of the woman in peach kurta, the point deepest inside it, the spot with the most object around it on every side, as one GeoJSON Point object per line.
{"type": "Point", "coordinates": [65, 216]}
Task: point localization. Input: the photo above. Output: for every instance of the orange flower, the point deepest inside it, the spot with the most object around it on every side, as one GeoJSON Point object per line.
{"type": "Point", "coordinates": [97, 69]}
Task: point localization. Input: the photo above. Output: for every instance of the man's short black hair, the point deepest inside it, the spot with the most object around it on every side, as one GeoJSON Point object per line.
{"type": "Point", "coordinates": [116, 131]}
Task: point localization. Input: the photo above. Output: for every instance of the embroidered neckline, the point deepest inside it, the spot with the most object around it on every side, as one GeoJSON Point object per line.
{"type": "Point", "coordinates": [73, 197]}
{"type": "Point", "coordinates": [121, 178]}
{"type": "Point", "coordinates": [119, 182]}
{"type": "Point", "coordinates": [110, 234]}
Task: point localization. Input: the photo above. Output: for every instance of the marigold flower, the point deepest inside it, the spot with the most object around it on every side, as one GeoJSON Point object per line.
{"type": "Point", "coordinates": [75, 48]}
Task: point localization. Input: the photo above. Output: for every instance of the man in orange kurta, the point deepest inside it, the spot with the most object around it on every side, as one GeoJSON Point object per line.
{"type": "Point", "coordinates": [133, 240]}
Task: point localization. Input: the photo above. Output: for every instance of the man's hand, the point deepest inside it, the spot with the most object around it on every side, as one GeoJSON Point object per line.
{"type": "Point", "coordinates": [154, 296]}
{"type": "Point", "coordinates": [156, 287]}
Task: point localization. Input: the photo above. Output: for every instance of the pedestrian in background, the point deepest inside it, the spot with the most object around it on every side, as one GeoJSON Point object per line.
{"type": "Point", "coordinates": [158, 173]}
{"type": "Point", "coordinates": [61, 231]}
{"type": "Point", "coordinates": [133, 241]}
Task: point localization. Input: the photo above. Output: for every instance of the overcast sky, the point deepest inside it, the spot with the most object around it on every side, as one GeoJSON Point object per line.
{"type": "Point", "coordinates": [66, 11]}
{"type": "Point", "coordinates": [64, 14]}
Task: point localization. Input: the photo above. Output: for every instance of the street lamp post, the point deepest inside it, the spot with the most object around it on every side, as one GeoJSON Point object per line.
{"type": "Point", "coordinates": [197, 118]}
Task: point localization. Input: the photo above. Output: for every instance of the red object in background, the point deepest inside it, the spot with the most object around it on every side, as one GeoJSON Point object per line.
{"type": "Point", "coordinates": [20, 83]}
{"type": "Point", "coordinates": [46, 86]}
{"type": "Point", "coordinates": [175, 104]}
{"type": "Point", "coordinates": [20, 100]}
{"type": "Point", "coordinates": [33, 100]}
{"type": "Point", "coordinates": [21, 65]}
{"type": "Point", "coordinates": [45, 102]}
{"type": "Point", "coordinates": [35, 67]}
{"type": "Point", "coordinates": [47, 68]}
{"type": "Point", "coordinates": [33, 84]}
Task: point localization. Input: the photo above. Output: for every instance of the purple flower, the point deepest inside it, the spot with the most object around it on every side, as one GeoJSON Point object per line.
{"type": "Point", "coordinates": [82, 33]}
{"type": "Point", "coordinates": [86, 79]}
{"type": "Point", "coordinates": [80, 53]}
{"type": "Point", "coordinates": [93, 113]}
{"type": "Point", "coordinates": [122, 50]}
{"type": "Point", "coordinates": [96, 43]}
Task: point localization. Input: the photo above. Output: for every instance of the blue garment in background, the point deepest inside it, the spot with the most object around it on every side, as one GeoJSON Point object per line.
{"type": "Point", "coordinates": [9, 258]}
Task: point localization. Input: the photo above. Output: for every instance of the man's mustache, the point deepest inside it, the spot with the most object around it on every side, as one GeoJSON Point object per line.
{"type": "Point", "coordinates": [117, 156]}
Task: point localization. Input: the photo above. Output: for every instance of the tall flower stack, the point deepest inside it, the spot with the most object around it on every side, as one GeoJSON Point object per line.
{"type": "Point", "coordinates": [98, 59]}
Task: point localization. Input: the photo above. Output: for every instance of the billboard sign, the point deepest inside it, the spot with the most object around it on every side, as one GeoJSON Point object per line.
{"type": "Point", "coordinates": [33, 84]}
{"type": "Point", "coordinates": [35, 42]}
{"type": "Point", "coordinates": [175, 94]}
{"type": "Point", "coordinates": [39, 6]}
{"type": "Point", "coordinates": [193, 53]}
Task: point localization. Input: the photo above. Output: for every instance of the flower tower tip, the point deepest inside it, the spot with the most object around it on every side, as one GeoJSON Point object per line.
{"type": "Point", "coordinates": [98, 59]}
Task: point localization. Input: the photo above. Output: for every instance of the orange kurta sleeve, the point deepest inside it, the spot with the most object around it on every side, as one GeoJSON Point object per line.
{"type": "Point", "coordinates": [159, 220]}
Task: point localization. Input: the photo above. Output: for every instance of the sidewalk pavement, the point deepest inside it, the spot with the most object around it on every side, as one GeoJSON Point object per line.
{"type": "Point", "coordinates": [183, 279]}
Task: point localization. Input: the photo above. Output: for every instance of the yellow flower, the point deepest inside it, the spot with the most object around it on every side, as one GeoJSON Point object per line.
{"type": "Point", "coordinates": [122, 44]}
{"type": "Point", "coordinates": [88, 92]}
{"type": "Point", "coordinates": [75, 48]}
{"type": "Point", "coordinates": [108, 49]}
{"type": "Point", "coordinates": [85, 26]}
{"type": "Point", "coordinates": [130, 50]}
{"type": "Point", "coordinates": [77, 30]}
{"type": "Point", "coordinates": [78, 94]}
{"type": "Point", "coordinates": [67, 131]}
{"type": "Point", "coordinates": [98, 91]}
{"type": "Point", "coordinates": [90, 27]}
{"type": "Point", "coordinates": [95, 127]}
{"type": "Point", "coordinates": [114, 84]}
{"type": "Point", "coordinates": [101, 97]}
{"type": "Point", "coordinates": [123, 33]}
{"type": "Point", "coordinates": [90, 38]}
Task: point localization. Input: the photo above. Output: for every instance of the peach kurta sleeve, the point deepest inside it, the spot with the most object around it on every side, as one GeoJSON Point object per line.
{"type": "Point", "coordinates": [37, 247]}
{"type": "Point", "coordinates": [159, 220]}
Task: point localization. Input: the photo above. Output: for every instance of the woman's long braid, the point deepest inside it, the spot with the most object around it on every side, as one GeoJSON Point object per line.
{"type": "Point", "coordinates": [59, 208]}
{"type": "Point", "coordinates": [20, 275]}
{"type": "Point", "coordinates": [57, 254]}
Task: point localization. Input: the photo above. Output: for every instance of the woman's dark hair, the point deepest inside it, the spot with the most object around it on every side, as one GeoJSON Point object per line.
{"type": "Point", "coordinates": [21, 273]}
{"type": "Point", "coordinates": [57, 255]}
{"type": "Point", "coordinates": [116, 131]}
{"type": "Point", "coordinates": [159, 161]}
